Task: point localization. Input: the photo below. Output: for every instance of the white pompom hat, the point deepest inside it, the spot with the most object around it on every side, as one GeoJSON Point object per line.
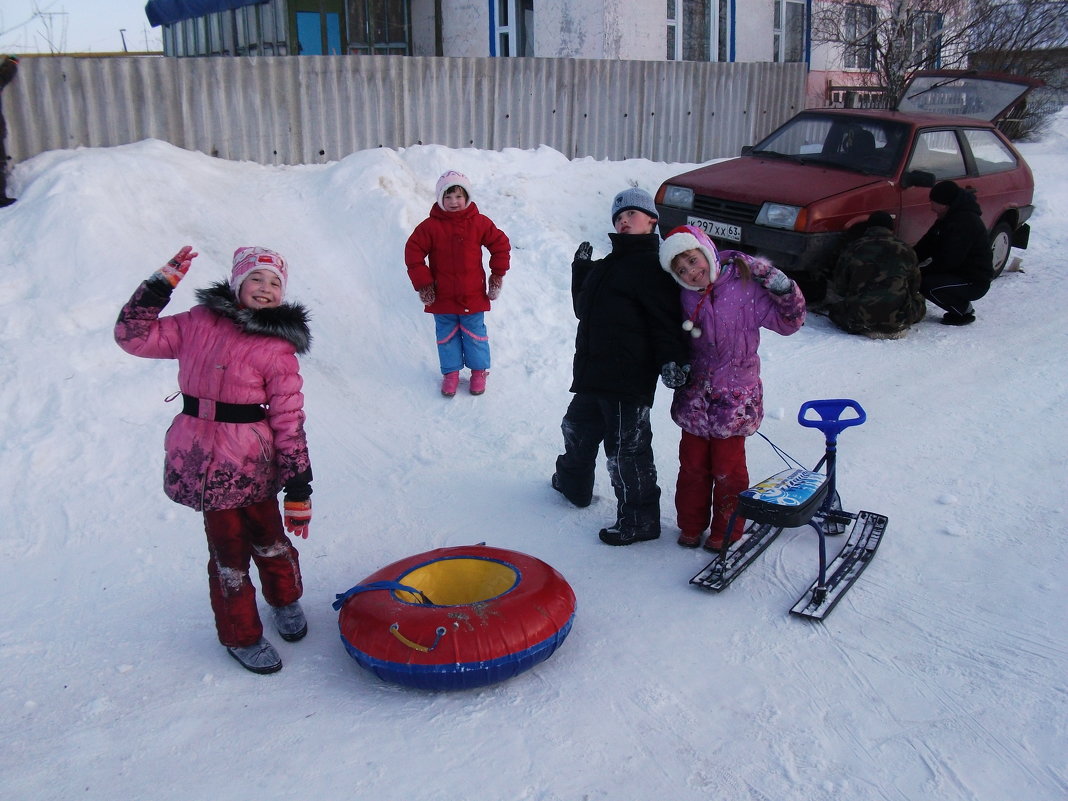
{"type": "Point", "coordinates": [689, 237]}
{"type": "Point", "coordinates": [448, 181]}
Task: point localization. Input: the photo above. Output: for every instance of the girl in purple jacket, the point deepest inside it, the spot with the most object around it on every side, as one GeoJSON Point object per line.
{"type": "Point", "coordinates": [239, 438]}
{"type": "Point", "coordinates": [726, 299]}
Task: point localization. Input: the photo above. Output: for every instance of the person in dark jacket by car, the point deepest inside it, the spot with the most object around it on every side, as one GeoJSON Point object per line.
{"type": "Point", "coordinates": [9, 65]}
{"type": "Point", "coordinates": [629, 334]}
{"type": "Point", "coordinates": [955, 259]}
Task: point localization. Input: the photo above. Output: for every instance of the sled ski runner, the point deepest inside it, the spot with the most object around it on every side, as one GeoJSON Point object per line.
{"type": "Point", "coordinates": [844, 569]}
{"type": "Point", "coordinates": [726, 567]}
{"type": "Point", "coordinates": [798, 497]}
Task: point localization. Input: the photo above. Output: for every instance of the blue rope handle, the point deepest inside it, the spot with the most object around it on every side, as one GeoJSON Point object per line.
{"type": "Point", "coordinates": [376, 585]}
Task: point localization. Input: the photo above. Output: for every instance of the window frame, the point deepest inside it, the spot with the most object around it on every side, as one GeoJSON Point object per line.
{"type": "Point", "coordinates": [783, 48]}
{"type": "Point", "coordinates": [860, 54]}
{"type": "Point", "coordinates": [711, 44]}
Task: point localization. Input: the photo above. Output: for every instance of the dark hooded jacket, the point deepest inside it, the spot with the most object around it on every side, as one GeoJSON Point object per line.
{"type": "Point", "coordinates": [630, 321]}
{"type": "Point", "coordinates": [958, 243]}
{"type": "Point", "coordinates": [8, 68]}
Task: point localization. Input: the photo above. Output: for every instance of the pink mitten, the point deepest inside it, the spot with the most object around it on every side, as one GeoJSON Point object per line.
{"type": "Point", "coordinates": [297, 517]}
{"type": "Point", "coordinates": [174, 271]}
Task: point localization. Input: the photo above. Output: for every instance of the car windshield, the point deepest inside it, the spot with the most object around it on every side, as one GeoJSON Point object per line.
{"type": "Point", "coordinates": [870, 146]}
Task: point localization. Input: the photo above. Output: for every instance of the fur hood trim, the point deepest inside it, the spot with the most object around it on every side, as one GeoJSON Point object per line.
{"type": "Point", "coordinates": [288, 321]}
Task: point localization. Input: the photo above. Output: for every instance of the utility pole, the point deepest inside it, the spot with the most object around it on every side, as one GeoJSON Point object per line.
{"type": "Point", "coordinates": [122, 33]}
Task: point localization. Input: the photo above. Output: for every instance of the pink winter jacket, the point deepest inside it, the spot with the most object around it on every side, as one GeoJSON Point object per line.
{"type": "Point", "coordinates": [724, 396]}
{"type": "Point", "coordinates": [234, 355]}
{"type": "Point", "coordinates": [452, 242]}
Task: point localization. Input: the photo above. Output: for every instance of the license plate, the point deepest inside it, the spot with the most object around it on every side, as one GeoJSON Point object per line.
{"type": "Point", "coordinates": [717, 230]}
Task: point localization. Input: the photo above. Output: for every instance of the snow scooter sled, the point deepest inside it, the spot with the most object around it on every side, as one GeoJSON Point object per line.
{"type": "Point", "coordinates": [798, 497]}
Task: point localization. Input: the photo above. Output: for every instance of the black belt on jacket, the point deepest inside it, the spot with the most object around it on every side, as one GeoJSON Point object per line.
{"type": "Point", "coordinates": [220, 412]}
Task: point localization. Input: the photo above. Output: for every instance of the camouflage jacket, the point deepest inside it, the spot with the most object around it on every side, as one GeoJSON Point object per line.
{"type": "Point", "coordinates": [876, 285]}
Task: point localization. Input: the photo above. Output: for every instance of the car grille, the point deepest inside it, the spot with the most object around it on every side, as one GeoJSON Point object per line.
{"type": "Point", "coordinates": [725, 210]}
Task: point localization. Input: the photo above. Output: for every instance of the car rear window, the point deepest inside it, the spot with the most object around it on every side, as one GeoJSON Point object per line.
{"type": "Point", "coordinates": [990, 153]}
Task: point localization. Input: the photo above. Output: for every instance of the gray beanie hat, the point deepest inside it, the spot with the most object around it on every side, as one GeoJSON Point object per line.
{"type": "Point", "coordinates": [634, 198]}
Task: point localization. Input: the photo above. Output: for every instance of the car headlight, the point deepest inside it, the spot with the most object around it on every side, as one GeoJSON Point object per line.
{"type": "Point", "coordinates": [777, 215]}
{"type": "Point", "coordinates": [678, 196]}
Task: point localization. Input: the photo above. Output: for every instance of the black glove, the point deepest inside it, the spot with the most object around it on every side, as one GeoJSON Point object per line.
{"type": "Point", "coordinates": [674, 375]}
{"type": "Point", "coordinates": [584, 252]}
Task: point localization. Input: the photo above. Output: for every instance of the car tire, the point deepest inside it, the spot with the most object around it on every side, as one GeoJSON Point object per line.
{"type": "Point", "coordinates": [1000, 246]}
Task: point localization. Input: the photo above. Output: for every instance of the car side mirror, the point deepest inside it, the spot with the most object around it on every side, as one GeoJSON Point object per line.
{"type": "Point", "coordinates": [918, 178]}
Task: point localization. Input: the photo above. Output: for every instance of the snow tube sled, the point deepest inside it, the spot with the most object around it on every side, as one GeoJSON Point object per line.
{"type": "Point", "coordinates": [456, 618]}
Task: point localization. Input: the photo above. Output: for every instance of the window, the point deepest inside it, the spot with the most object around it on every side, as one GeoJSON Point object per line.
{"type": "Point", "coordinates": [938, 152]}
{"type": "Point", "coordinates": [788, 36]}
{"type": "Point", "coordinates": [925, 38]}
{"type": "Point", "coordinates": [378, 27]}
{"type": "Point", "coordinates": [860, 23]}
{"type": "Point", "coordinates": [514, 28]}
{"type": "Point", "coordinates": [697, 30]}
{"type": "Point", "coordinates": [317, 26]}
{"type": "Point", "coordinates": [246, 31]}
{"type": "Point", "coordinates": [989, 152]}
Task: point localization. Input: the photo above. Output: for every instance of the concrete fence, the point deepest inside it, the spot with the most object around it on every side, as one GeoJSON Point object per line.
{"type": "Point", "coordinates": [315, 109]}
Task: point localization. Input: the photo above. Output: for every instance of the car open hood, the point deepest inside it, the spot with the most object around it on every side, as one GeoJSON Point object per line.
{"type": "Point", "coordinates": [756, 179]}
{"type": "Point", "coordinates": [965, 93]}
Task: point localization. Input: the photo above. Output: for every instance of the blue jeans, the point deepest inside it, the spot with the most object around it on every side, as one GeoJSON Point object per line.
{"type": "Point", "coordinates": [462, 341]}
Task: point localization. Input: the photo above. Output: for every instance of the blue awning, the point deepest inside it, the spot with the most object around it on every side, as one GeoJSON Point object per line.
{"type": "Point", "coordinates": [167, 12]}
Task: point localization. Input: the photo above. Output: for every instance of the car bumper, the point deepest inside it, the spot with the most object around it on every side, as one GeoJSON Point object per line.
{"type": "Point", "coordinates": [790, 251]}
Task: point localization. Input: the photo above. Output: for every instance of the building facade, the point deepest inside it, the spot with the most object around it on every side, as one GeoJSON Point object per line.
{"type": "Point", "coordinates": [688, 30]}
{"type": "Point", "coordinates": [841, 67]}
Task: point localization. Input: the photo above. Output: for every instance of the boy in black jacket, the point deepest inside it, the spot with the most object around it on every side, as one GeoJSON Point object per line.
{"type": "Point", "coordinates": [629, 334]}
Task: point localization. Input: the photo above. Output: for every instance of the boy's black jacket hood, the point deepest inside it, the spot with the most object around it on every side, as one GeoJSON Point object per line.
{"type": "Point", "coordinates": [288, 321]}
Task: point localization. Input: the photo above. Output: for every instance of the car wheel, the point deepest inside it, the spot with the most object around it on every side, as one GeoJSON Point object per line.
{"type": "Point", "coordinates": [1000, 245]}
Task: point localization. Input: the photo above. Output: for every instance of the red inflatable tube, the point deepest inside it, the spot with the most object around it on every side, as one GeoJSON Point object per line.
{"type": "Point", "coordinates": [456, 618]}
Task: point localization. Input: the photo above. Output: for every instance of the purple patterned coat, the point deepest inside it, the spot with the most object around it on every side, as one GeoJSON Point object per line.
{"type": "Point", "coordinates": [234, 355]}
{"type": "Point", "coordinates": [724, 397]}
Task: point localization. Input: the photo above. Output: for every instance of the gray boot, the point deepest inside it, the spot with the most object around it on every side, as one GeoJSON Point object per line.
{"type": "Point", "coordinates": [260, 657]}
{"type": "Point", "coordinates": [290, 621]}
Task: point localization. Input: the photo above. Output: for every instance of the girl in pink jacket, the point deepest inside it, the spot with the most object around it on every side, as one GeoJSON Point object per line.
{"type": "Point", "coordinates": [453, 286]}
{"type": "Point", "coordinates": [239, 438]}
{"type": "Point", "coordinates": [727, 297]}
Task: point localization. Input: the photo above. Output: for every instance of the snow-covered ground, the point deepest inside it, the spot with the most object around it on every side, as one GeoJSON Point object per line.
{"type": "Point", "coordinates": [941, 676]}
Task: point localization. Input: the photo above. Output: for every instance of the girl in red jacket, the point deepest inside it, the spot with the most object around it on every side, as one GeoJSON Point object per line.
{"type": "Point", "coordinates": [453, 287]}
{"type": "Point", "coordinates": [239, 438]}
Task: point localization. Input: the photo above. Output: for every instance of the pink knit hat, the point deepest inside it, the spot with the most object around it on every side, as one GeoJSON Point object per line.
{"type": "Point", "coordinates": [449, 180]}
{"type": "Point", "coordinates": [251, 258]}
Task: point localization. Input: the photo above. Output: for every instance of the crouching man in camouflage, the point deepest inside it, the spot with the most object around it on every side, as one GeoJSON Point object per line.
{"type": "Point", "coordinates": [875, 288]}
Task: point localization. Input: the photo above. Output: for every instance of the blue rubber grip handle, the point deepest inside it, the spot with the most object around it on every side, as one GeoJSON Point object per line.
{"type": "Point", "coordinates": [830, 420]}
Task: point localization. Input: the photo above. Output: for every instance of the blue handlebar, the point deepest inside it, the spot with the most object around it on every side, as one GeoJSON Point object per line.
{"type": "Point", "coordinates": [830, 420]}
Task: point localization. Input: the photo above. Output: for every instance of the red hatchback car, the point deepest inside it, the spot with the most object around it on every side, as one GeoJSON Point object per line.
{"type": "Point", "coordinates": [795, 195]}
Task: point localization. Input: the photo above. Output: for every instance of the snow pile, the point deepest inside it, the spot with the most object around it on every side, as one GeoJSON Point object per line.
{"type": "Point", "coordinates": [940, 676]}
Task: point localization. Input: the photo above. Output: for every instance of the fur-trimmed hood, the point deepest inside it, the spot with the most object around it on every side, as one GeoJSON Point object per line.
{"type": "Point", "coordinates": [288, 321]}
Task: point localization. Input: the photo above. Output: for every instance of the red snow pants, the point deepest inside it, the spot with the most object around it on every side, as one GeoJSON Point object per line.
{"type": "Point", "coordinates": [237, 537]}
{"type": "Point", "coordinates": [711, 474]}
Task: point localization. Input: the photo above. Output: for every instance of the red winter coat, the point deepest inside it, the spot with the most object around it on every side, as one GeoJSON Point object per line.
{"type": "Point", "coordinates": [453, 240]}
{"type": "Point", "coordinates": [234, 355]}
